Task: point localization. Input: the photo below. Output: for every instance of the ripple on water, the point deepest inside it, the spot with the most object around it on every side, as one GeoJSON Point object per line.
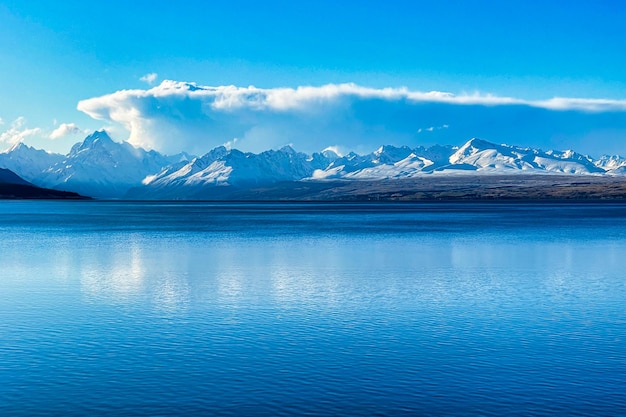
{"type": "Point", "coordinates": [160, 309]}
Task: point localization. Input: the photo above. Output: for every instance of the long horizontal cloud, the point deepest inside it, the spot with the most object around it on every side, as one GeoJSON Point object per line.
{"type": "Point", "coordinates": [175, 116]}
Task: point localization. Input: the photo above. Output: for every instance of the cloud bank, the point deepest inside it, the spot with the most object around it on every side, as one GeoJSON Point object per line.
{"type": "Point", "coordinates": [175, 116]}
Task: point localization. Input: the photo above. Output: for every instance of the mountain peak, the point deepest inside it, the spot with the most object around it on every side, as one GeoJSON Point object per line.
{"type": "Point", "coordinates": [16, 147]}
{"type": "Point", "coordinates": [381, 150]}
{"type": "Point", "coordinates": [472, 146]}
{"type": "Point", "coordinates": [215, 153]}
{"type": "Point", "coordinates": [99, 138]}
{"type": "Point", "coordinates": [101, 167]}
{"type": "Point", "coordinates": [20, 148]}
{"type": "Point", "coordinates": [288, 149]}
{"type": "Point", "coordinates": [478, 144]}
{"type": "Point", "coordinates": [332, 152]}
{"type": "Point", "coordinates": [388, 148]}
{"type": "Point", "coordinates": [101, 135]}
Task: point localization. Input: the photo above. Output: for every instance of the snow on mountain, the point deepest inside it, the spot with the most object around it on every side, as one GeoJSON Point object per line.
{"type": "Point", "coordinates": [222, 167]}
{"type": "Point", "coordinates": [186, 172]}
{"type": "Point", "coordinates": [405, 168]}
{"type": "Point", "coordinates": [612, 164]}
{"type": "Point", "coordinates": [100, 167]}
{"type": "Point", "coordinates": [26, 161]}
{"type": "Point", "coordinates": [486, 156]}
{"type": "Point", "coordinates": [568, 162]}
{"type": "Point", "coordinates": [233, 167]}
{"type": "Point", "coordinates": [386, 162]}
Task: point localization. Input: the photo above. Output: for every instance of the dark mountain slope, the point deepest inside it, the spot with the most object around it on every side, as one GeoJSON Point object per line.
{"type": "Point", "coordinates": [14, 187]}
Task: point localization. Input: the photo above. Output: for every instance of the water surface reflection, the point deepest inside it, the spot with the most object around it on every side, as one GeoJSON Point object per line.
{"type": "Point", "coordinates": [287, 310]}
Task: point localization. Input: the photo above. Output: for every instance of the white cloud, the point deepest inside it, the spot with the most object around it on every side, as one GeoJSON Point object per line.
{"type": "Point", "coordinates": [1, 121]}
{"type": "Point", "coordinates": [175, 116]}
{"type": "Point", "coordinates": [149, 78]}
{"type": "Point", "coordinates": [65, 129]}
{"type": "Point", "coordinates": [584, 104]}
{"type": "Point", "coordinates": [231, 144]}
{"type": "Point", "coordinates": [432, 128]}
{"type": "Point", "coordinates": [18, 132]}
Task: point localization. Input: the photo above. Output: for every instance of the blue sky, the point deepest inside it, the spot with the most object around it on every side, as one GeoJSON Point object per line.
{"type": "Point", "coordinates": [57, 54]}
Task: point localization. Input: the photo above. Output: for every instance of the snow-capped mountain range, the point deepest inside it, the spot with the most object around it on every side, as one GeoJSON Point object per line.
{"type": "Point", "coordinates": [102, 168]}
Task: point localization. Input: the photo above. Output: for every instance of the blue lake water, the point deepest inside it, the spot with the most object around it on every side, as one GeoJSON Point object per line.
{"type": "Point", "coordinates": [150, 309]}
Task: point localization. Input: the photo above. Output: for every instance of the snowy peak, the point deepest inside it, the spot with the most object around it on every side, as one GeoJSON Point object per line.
{"type": "Point", "coordinates": [98, 139]}
{"type": "Point", "coordinates": [22, 149]}
{"type": "Point", "coordinates": [215, 154]}
{"type": "Point", "coordinates": [101, 167]}
{"type": "Point", "coordinates": [389, 154]}
{"type": "Point", "coordinates": [287, 149]}
{"type": "Point", "coordinates": [476, 145]}
{"type": "Point", "coordinates": [185, 169]}
{"type": "Point", "coordinates": [611, 163]}
{"type": "Point", "coordinates": [224, 167]}
{"type": "Point", "coordinates": [26, 161]}
{"type": "Point", "coordinates": [330, 154]}
{"type": "Point", "coordinates": [17, 147]}
{"type": "Point", "coordinates": [567, 162]}
{"type": "Point", "coordinates": [477, 150]}
{"type": "Point", "coordinates": [486, 156]}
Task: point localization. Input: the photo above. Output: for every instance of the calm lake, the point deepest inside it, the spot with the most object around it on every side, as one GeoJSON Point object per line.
{"type": "Point", "coordinates": [159, 309]}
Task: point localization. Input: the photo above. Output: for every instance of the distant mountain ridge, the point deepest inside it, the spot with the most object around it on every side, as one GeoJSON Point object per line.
{"type": "Point", "coordinates": [103, 168]}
